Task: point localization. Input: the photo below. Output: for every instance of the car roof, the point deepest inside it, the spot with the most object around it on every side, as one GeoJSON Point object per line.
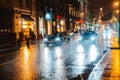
{"type": "Point", "coordinates": [90, 32]}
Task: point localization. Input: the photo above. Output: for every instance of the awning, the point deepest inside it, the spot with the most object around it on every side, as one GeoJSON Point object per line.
{"type": "Point", "coordinates": [27, 17]}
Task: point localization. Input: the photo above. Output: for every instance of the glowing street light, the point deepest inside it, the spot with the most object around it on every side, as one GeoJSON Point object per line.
{"type": "Point", "coordinates": [117, 11]}
{"type": "Point", "coordinates": [116, 3]}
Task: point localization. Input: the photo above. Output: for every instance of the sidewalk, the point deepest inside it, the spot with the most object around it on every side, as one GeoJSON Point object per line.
{"type": "Point", "coordinates": [112, 69]}
{"type": "Point", "coordinates": [108, 68]}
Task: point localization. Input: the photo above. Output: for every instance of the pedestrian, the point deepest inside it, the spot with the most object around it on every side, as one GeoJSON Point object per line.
{"type": "Point", "coordinates": [18, 41]}
{"type": "Point", "coordinates": [40, 36]}
{"type": "Point", "coordinates": [27, 42]}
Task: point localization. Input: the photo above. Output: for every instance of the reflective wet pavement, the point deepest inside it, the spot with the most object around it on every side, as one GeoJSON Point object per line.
{"type": "Point", "coordinates": [70, 61]}
{"type": "Point", "coordinates": [109, 67]}
{"type": "Point", "coordinates": [112, 69]}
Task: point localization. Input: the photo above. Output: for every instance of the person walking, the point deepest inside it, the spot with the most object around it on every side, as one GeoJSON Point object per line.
{"type": "Point", "coordinates": [19, 43]}
{"type": "Point", "coordinates": [27, 42]}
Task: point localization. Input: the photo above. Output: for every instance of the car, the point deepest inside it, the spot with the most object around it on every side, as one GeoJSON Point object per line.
{"type": "Point", "coordinates": [67, 35]}
{"type": "Point", "coordinates": [91, 36]}
{"type": "Point", "coordinates": [55, 39]}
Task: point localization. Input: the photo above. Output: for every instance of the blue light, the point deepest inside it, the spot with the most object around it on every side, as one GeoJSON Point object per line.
{"type": "Point", "coordinates": [70, 19]}
{"type": "Point", "coordinates": [47, 16]}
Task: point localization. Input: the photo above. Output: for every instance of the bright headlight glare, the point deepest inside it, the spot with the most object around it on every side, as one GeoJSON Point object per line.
{"type": "Point", "coordinates": [80, 38]}
{"type": "Point", "coordinates": [45, 39]}
{"type": "Point", "coordinates": [57, 39]}
{"type": "Point", "coordinates": [71, 34]}
{"type": "Point", "coordinates": [92, 38]}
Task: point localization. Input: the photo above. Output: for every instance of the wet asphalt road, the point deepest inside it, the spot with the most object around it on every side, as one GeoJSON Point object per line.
{"type": "Point", "coordinates": [71, 61]}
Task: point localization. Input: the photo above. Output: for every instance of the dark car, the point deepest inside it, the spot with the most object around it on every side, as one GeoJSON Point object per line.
{"type": "Point", "coordinates": [67, 35]}
{"type": "Point", "coordinates": [55, 39]}
{"type": "Point", "coordinates": [91, 36]}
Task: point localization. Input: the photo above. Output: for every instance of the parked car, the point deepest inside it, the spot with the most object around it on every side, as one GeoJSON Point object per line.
{"type": "Point", "coordinates": [55, 39]}
{"type": "Point", "coordinates": [91, 36]}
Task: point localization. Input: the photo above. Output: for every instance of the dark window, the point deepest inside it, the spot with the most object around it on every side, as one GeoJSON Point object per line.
{"type": "Point", "coordinates": [27, 3]}
{"type": "Point", "coordinates": [8, 1]}
{"type": "Point", "coordinates": [21, 3]}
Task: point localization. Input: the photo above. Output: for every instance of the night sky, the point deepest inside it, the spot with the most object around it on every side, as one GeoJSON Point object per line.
{"type": "Point", "coordinates": [105, 4]}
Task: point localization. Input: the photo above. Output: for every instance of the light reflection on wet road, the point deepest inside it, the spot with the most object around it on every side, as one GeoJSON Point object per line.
{"type": "Point", "coordinates": [67, 62]}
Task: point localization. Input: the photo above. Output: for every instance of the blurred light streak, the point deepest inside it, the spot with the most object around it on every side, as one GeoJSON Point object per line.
{"type": "Point", "coordinates": [80, 59]}
{"type": "Point", "coordinates": [58, 51]}
{"type": "Point", "coordinates": [80, 49]}
{"type": "Point", "coordinates": [60, 72]}
{"type": "Point", "coordinates": [25, 71]}
{"type": "Point", "coordinates": [46, 52]}
{"type": "Point", "coordinates": [93, 53]}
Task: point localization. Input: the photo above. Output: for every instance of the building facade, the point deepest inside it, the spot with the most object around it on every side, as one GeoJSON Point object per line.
{"type": "Point", "coordinates": [57, 15]}
{"type": "Point", "coordinates": [86, 13]}
{"type": "Point", "coordinates": [18, 16]}
{"type": "Point", "coordinates": [41, 17]}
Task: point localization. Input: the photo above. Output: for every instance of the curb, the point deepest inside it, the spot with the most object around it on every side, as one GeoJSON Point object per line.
{"type": "Point", "coordinates": [99, 67]}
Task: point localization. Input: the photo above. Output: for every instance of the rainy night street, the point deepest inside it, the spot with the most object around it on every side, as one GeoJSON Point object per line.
{"type": "Point", "coordinates": [59, 39]}
{"type": "Point", "coordinates": [69, 61]}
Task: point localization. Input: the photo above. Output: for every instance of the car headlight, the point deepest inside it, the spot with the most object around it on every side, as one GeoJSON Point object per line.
{"type": "Point", "coordinates": [80, 38]}
{"type": "Point", "coordinates": [71, 34]}
{"type": "Point", "coordinates": [92, 38]}
{"type": "Point", "coordinates": [45, 39]}
{"type": "Point", "coordinates": [57, 39]}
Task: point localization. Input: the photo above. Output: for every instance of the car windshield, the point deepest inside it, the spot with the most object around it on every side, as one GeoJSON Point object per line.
{"type": "Point", "coordinates": [89, 33]}
{"type": "Point", "coordinates": [66, 33]}
{"type": "Point", "coordinates": [53, 35]}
